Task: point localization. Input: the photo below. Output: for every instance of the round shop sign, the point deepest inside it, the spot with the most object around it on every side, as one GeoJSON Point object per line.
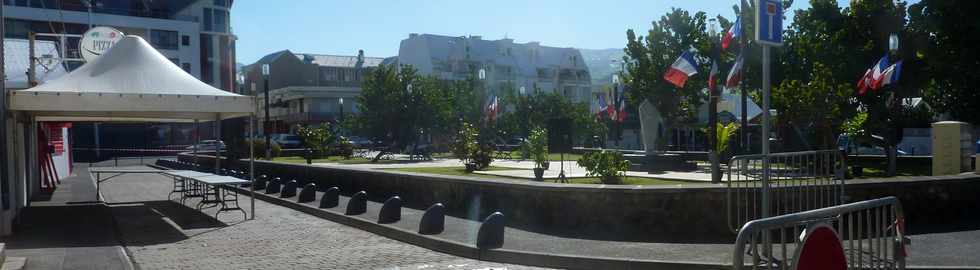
{"type": "Point", "coordinates": [98, 40]}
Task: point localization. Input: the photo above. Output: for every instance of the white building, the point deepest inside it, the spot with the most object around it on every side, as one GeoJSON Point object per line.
{"type": "Point", "coordinates": [508, 65]}
{"type": "Point", "coordinates": [194, 34]}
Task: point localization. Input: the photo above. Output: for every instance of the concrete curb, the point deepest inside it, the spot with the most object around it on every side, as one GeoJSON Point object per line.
{"type": "Point", "coordinates": [471, 251]}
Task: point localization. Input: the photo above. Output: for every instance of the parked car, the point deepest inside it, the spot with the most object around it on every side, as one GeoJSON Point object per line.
{"type": "Point", "coordinates": [360, 142]}
{"type": "Point", "coordinates": [287, 140]}
{"type": "Point", "coordinates": [207, 145]}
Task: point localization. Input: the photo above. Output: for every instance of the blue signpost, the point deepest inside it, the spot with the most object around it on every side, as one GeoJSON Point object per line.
{"type": "Point", "coordinates": [768, 33]}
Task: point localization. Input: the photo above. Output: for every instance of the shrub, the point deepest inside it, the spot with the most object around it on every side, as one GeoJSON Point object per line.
{"type": "Point", "coordinates": [465, 145]}
{"type": "Point", "coordinates": [316, 138]}
{"type": "Point", "coordinates": [483, 156]}
{"type": "Point", "coordinates": [343, 148]}
{"type": "Point", "coordinates": [259, 147]}
{"type": "Point", "coordinates": [536, 147]}
{"type": "Point", "coordinates": [607, 165]}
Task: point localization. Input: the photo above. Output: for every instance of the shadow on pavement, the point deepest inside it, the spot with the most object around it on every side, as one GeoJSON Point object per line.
{"type": "Point", "coordinates": [146, 223]}
{"type": "Point", "coordinates": [63, 226]}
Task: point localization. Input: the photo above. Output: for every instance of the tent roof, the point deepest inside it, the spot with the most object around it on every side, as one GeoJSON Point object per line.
{"type": "Point", "coordinates": [132, 81]}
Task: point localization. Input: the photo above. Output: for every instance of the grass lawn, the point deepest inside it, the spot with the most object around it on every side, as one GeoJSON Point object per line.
{"type": "Point", "coordinates": [458, 171]}
{"type": "Point", "coordinates": [461, 171]}
{"type": "Point", "coordinates": [332, 159]}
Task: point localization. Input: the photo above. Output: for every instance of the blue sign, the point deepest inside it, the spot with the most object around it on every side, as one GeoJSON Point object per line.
{"type": "Point", "coordinates": [769, 22]}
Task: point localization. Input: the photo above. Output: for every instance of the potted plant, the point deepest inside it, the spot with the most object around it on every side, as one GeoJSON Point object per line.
{"type": "Point", "coordinates": [465, 146]}
{"type": "Point", "coordinates": [536, 147]}
{"type": "Point", "coordinates": [607, 165]}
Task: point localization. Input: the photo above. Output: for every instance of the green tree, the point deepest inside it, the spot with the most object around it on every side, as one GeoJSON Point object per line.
{"type": "Point", "coordinates": [532, 110]}
{"type": "Point", "coordinates": [649, 57]}
{"type": "Point", "coordinates": [943, 33]}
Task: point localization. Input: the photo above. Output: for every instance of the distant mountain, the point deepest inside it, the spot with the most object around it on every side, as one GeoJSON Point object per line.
{"type": "Point", "coordinates": [600, 63]}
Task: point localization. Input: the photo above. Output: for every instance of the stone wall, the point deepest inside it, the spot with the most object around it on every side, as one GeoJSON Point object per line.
{"type": "Point", "coordinates": [695, 212]}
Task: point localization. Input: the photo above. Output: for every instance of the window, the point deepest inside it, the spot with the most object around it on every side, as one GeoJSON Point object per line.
{"type": "Point", "coordinates": [176, 61]}
{"type": "Point", "coordinates": [186, 67]}
{"type": "Point", "coordinates": [164, 40]}
{"type": "Point", "coordinates": [208, 22]}
{"type": "Point", "coordinates": [222, 3]}
{"type": "Point", "coordinates": [185, 40]}
{"type": "Point", "coordinates": [220, 20]}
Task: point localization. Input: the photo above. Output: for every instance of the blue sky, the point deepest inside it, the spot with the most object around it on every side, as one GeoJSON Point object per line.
{"type": "Point", "coordinates": [377, 26]}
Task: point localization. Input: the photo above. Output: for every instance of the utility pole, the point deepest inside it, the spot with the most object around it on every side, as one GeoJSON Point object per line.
{"type": "Point", "coordinates": [265, 129]}
{"type": "Point", "coordinates": [743, 138]}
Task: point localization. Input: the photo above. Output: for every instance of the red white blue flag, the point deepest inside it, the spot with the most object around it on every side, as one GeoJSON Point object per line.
{"type": "Point", "coordinates": [890, 75]}
{"type": "Point", "coordinates": [733, 33]}
{"type": "Point", "coordinates": [683, 67]}
{"type": "Point", "coordinates": [735, 75]}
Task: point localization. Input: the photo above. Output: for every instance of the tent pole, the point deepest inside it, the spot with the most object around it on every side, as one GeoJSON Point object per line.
{"type": "Point", "coordinates": [197, 138]}
{"type": "Point", "coordinates": [217, 148]}
{"type": "Point", "coordinates": [251, 159]}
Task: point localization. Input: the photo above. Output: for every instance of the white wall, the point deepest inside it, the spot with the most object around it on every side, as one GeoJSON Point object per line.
{"type": "Point", "coordinates": [61, 161]}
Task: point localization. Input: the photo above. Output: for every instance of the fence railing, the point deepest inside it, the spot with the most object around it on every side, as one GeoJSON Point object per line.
{"type": "Point", "coordinates": [798, 181]}
{"type": "Point", "coordinates": [872, 235]}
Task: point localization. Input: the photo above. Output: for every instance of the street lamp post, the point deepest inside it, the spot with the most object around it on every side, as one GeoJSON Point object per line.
{"type": "Point", "coordinates": [265, 128]}
{"type": "Point", "coordinates": [896, 106]}
{"type": "Point", "coordinates": [713, 154]}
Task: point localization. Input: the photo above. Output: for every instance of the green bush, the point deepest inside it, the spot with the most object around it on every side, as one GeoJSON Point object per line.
{"type": "Point", "coordinates": [483, 156]}
{"type": "Point", "coordinates": [259, 147]}
{"type": "Point", "coordinates": [316, 138]}
{"type": "Point", "coordinates": [465, 145]}
{"type": "Point", "coordinates": [536, 147]}
{"type": "Point", "coordinates": [607, 165]}
{"type": "Point", "coordinates": [342, 148]}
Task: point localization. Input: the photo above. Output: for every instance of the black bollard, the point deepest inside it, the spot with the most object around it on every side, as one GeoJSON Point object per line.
{"type": "Point", "coordinates": [391, 211]}
{"type": "Point", "coordinates": [308, 194]}
{"type": "Point", "coordinates": [289, 190]}
{"type": "Point", "coordinates": [274, 186]}
{"type": "Point", "coordinates": [491, 233]}
{"type": "Point", "coordinates": [331, 198]}
{"type": "Point", "coordinates": [261, 182]}
{"type": "Point", "coordinates": [434, 220]}
{"type": "Point", "coordinates": [357, 204]}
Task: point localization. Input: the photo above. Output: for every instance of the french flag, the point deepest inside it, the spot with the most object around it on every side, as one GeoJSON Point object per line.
{"type": "Point", "coordinates": [682, 68]}
{"type": "Point", "coordinates": [878, 71]}
{"type": "Point", "coordinates": [603, 106]}
{"type": "Point", "coordinates": [712, 76]}
{"type": "Point", "coordinates": [890, 75]}
{"type": "Point", "coordinates": [735, 75]}
{"type": "Point", "coordinates": [733, 33]}
{"type": "Point", "coordinates": [621, 113]}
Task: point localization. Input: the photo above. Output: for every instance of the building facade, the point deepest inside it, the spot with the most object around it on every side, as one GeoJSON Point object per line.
{"type": "Point", "coordinates": [307, 88]}
{"type": "Point", "coordinates": [194, 34]}
{"type": "Point", "coordinates": [507, 66]}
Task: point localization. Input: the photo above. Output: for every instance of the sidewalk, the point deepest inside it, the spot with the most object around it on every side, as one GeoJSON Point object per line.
{"type": "Point", "coordinates": [160, 234]}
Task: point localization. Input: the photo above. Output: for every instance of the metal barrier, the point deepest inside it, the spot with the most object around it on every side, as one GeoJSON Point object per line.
{"type": "Point", "coordinates": [798, 181]}
{"type": "Point", "coordinates": [871, 234]}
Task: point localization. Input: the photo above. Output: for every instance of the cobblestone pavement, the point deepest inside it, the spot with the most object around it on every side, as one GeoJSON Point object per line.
{"type": "Point", "coordinates": [162, 234]}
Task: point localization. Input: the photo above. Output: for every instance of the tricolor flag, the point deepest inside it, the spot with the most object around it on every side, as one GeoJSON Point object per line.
{"type": "Point", "coordinates": [603, 106]}
{"type": "Point", "coordinates": [733, 33]}
{"type": "Point", "coordinates": [872, 78]}
{"type": "Point", "coordinates": [492, 108]}
{"type": "Point", "coordinates": [682, 68]}
{"type": "Point", "coordinates": [735, 75]}
{"type": "Point", "coordinates": [863, 82]}
{"type": "Point", "coordinates": [713, 76]}
{"type": "Point", "coordinates": [878, 71]}
{"type": "Point", "coordinates": [890, 75]}
{"type": "Point", "coordinates": [621, 112]}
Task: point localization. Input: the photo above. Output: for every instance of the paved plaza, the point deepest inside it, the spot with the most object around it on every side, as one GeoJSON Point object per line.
{"type": "Point", "coordinates": [155, 233]}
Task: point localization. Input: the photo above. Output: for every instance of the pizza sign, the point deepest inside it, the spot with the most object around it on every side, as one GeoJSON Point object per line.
{"type": "Point", "coordinates": [98, 40]}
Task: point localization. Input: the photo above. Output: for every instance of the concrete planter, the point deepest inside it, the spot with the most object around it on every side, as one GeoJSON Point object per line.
{"type": "Point", "coordinates": [539, 174]}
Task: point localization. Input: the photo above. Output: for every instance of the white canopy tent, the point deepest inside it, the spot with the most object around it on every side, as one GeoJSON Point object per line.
{"type": "Point", "coordinates": [132, 82]}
